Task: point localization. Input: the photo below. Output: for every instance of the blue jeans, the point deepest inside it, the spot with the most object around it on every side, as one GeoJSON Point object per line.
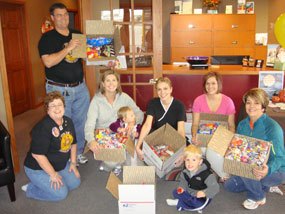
{"type": "Point", "coordinates": [255, 190]}
{"type": "Point", "coordinates": [77, 101]}
{"type": "Point", "coordinates": [40, 188]}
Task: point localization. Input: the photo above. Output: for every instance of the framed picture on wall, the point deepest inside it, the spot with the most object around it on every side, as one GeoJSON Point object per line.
{"type": "Point", "coordinates": [271, 81]}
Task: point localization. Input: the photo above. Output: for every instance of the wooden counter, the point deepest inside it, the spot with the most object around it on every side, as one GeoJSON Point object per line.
{"type": "Point", "coordinates": [222, 69]}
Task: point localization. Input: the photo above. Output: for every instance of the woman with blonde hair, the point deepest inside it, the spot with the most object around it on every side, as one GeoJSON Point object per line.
{"type": "Point", "coordinates": [161, 110]}
{"type": "Point", "coordinates": [104, 107]}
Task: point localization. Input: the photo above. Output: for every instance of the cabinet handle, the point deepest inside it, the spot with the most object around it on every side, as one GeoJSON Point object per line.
{"type": "Point", "coordinates": [234, 42]}
{"type": "Point", "coordinates": [191, 26]}
{"type": "Point", "coordinates": [234, 26]}
{"type": "Point", "coordinates": [191, 42]}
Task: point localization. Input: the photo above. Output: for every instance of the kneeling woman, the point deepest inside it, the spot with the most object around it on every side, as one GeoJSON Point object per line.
{"type": "Point", "coordinates": [47, 163]}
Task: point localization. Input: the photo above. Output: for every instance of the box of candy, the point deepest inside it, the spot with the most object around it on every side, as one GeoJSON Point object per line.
{"type": "Point", "coordinates": [161, 149]}
{"type": "Point", "coordinates": [102, 41]}
{"type": "Point", "coordinates": [208, 125]}
{"type": "Point", "coordinates": [113, 146]}
{"type": "Point", "coordinates": [241, 153]}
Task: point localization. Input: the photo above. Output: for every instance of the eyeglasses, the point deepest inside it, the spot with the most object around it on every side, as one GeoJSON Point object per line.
{"type": "Point", "coordinates": [55, 106]}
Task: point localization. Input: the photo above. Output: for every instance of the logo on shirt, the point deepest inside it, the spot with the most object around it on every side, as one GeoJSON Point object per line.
{"type": "Point", "coordinates": [55, 131]}
{"type": "Point", "coordinates": [68, 58]}
{"type": "Point", "coordinates": [66, 141]}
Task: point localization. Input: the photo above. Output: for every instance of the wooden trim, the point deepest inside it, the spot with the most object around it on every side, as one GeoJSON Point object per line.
{"type": "Point", "coordinates": [6, 95]}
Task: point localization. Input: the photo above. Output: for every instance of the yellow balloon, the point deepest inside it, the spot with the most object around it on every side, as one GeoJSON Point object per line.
{"type": "Point", "coordinates": [279, 29]}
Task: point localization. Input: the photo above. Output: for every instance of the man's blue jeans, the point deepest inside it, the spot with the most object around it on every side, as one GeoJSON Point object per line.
{"type": "Point", "coordinates": [40, 187]}
{"type": "Point", "coordinates": [77, 102]}
{"type": "Point", "coordinates": [255, 189]}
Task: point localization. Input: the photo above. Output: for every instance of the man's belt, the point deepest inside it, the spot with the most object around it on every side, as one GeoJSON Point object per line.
{"type": "Point", "coordinates": [64, 84]}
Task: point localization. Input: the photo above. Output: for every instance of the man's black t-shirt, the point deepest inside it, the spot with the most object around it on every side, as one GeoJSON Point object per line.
{"type": "Point", "coordinates": [69, 70]}
{"type": "Point", "coordinates": [53, 141]}
{"type": "Point", "coordinates": [175, 113]}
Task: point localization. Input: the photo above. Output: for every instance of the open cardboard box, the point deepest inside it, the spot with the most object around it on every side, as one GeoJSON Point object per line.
{"type": "Point", "coordinates": [94, 29]}
{"type": "Point", "coordinates": [165, 135]}
{"type": "Point", "coordinates": [116, 155]}
{"type": "Point", "coordinates": [136, 194]}
{"type": "Point", "coordinates": [205, 118]}
{"type": "Point", "coordinates": [220, 142]}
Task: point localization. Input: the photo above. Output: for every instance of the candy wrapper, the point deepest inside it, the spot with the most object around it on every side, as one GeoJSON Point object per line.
{"type": "Point", "coordinates": [110, 140]}
{"type": "Point", "coordinates": [162, 151]}
{"type": "Point", "coordinates": [208, 128]}
{"type": "Point", "coordinates": [248, 150]}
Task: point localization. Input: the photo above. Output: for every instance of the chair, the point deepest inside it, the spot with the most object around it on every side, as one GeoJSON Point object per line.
{"type": "Point", "coordinates": [7, 176]}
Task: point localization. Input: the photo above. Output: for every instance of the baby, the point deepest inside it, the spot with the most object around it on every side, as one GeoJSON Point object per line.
{"type": "Point", "coordinates": [197, 183]}
{"type": "Point", "coordinates": [126, 123]}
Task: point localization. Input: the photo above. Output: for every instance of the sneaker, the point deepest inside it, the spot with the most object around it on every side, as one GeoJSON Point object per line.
{"type": "Point", "coordinates": [252, 205]}
{"type": "Point", "coordinates": [117, 170]}
{"type": "Point", "coordinates": [172, 202]}
{"type": "Point", "coordinates": [24, 187]}
{"type": "Point", "coordinates": [276, 189]}
{"type": "Point", "coordinates": [81, 159]}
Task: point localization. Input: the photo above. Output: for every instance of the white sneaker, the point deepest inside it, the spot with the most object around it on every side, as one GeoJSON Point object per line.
{"type": "Point", "coordinates": [81, 159]}
{"type": "Point", "coordinates": [276, 189]}
{"type": "Point", "coordinates": [252, 205]}
{"type": "Point", "coordinates": [172, 202]}
{"type": "Point", "coordinates": [25, 187]}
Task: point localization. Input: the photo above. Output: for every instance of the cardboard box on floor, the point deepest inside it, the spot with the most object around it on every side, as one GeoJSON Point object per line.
{"type": "Point", "coordinates": [165, 135]}
{"type": "Point", "coordinates": [220, 142]}
{"type": "Point", "coordinates": [95, 28]}
{"type": "Point", "coordinates": [210, 118]}
{"type": "Point", "coordinates": [136, 194]}
{"type": "Point", "coordinates": [116, 155]}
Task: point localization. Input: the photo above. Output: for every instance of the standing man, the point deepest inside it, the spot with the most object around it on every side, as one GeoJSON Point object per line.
{"type": "Point", "coordinates": [65, 73]}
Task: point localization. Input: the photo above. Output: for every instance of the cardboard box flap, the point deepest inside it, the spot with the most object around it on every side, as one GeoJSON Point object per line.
{"type": "Point", "coordinates": [220, 140]}
{"type": "Point", "coordinates": [115, 155]}
{"type": "Point", "coordinates": [113, 184]}
{"type": "Point", "coordinates": [99, 27]}
{"type": "Point", "coordinates": [156, 137]}
{"type": "Point", "coordinates": [79, 52]}
{"type": "Point", "coordinates": [172, 136]}
{"type": "Point", "coordinates": [137, 194]}
{"type": "Point", "coordinates": [214, 117]}
{"type": "Point", "coordinates": [117, 41]}
{"type": "Point", "coordinates": [130, 147]}
{"type": "Point", "coordinates": [139, 175]}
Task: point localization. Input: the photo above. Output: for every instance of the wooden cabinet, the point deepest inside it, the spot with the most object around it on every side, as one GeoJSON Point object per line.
{"type": "Point", "coordinates": [219, 34]}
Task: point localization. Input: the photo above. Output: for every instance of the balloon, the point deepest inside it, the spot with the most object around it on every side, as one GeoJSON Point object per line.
{"type": "Point", "coordinates": [279, 30]}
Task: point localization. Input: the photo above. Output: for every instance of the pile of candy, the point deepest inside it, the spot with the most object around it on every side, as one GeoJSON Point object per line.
{"type": "Point", "coordinates": [247, 150]}
{"type": "Point", "coordinates": [162, 151]}
{"type": "Point", "coordinates": [110, 140]}
{"type": "Point", "coordinates": [99, 47]}
{"type": "Point", "coordinates": [208, 128]}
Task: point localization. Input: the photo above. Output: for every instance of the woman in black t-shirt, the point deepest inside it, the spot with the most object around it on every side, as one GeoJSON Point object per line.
{"type": "Point", "coordinates": [47, 163]}
{"type": "Point", "coordinates": [161, 110]}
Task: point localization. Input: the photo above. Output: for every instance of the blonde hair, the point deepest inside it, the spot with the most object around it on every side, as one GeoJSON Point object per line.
{"type": "Point", "coordinates": [163, 79]}
{"type": "Point", "coordinates": [192, 150]}
{"type": "Point", "coordinates": [259, 95]}
{"type": "Point", "coordinates": [103, 78]}
{"type": "Point", "coordinates": [122, 112]}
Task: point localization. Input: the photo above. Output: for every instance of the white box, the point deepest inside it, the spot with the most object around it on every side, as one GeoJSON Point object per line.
{"type": "Point", "coordinates": [136, 194]}
{"type": "Point", "coordinates": [165, 135]}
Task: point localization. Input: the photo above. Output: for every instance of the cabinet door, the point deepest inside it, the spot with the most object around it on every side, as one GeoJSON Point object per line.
{"type": "Point", "coordinates": [191, 39]}
{"type": "Point", "coordinates": [234, 51]}
{"type": "Point", "coordinates": [235, 22]}
{"type": "Point", "coordinates": [233, 39]}
{"type": "Point", "coordinates": [183, 22]}
{"type": "Point", "coordinates": [179, 54]}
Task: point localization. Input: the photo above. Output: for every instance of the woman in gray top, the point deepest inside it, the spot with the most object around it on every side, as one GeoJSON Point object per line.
{"type": "Point", "coordinates": [104, 107]}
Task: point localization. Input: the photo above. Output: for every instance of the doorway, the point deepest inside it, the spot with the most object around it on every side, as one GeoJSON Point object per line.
{"type": "Point", "coordinates": [16, 56]}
